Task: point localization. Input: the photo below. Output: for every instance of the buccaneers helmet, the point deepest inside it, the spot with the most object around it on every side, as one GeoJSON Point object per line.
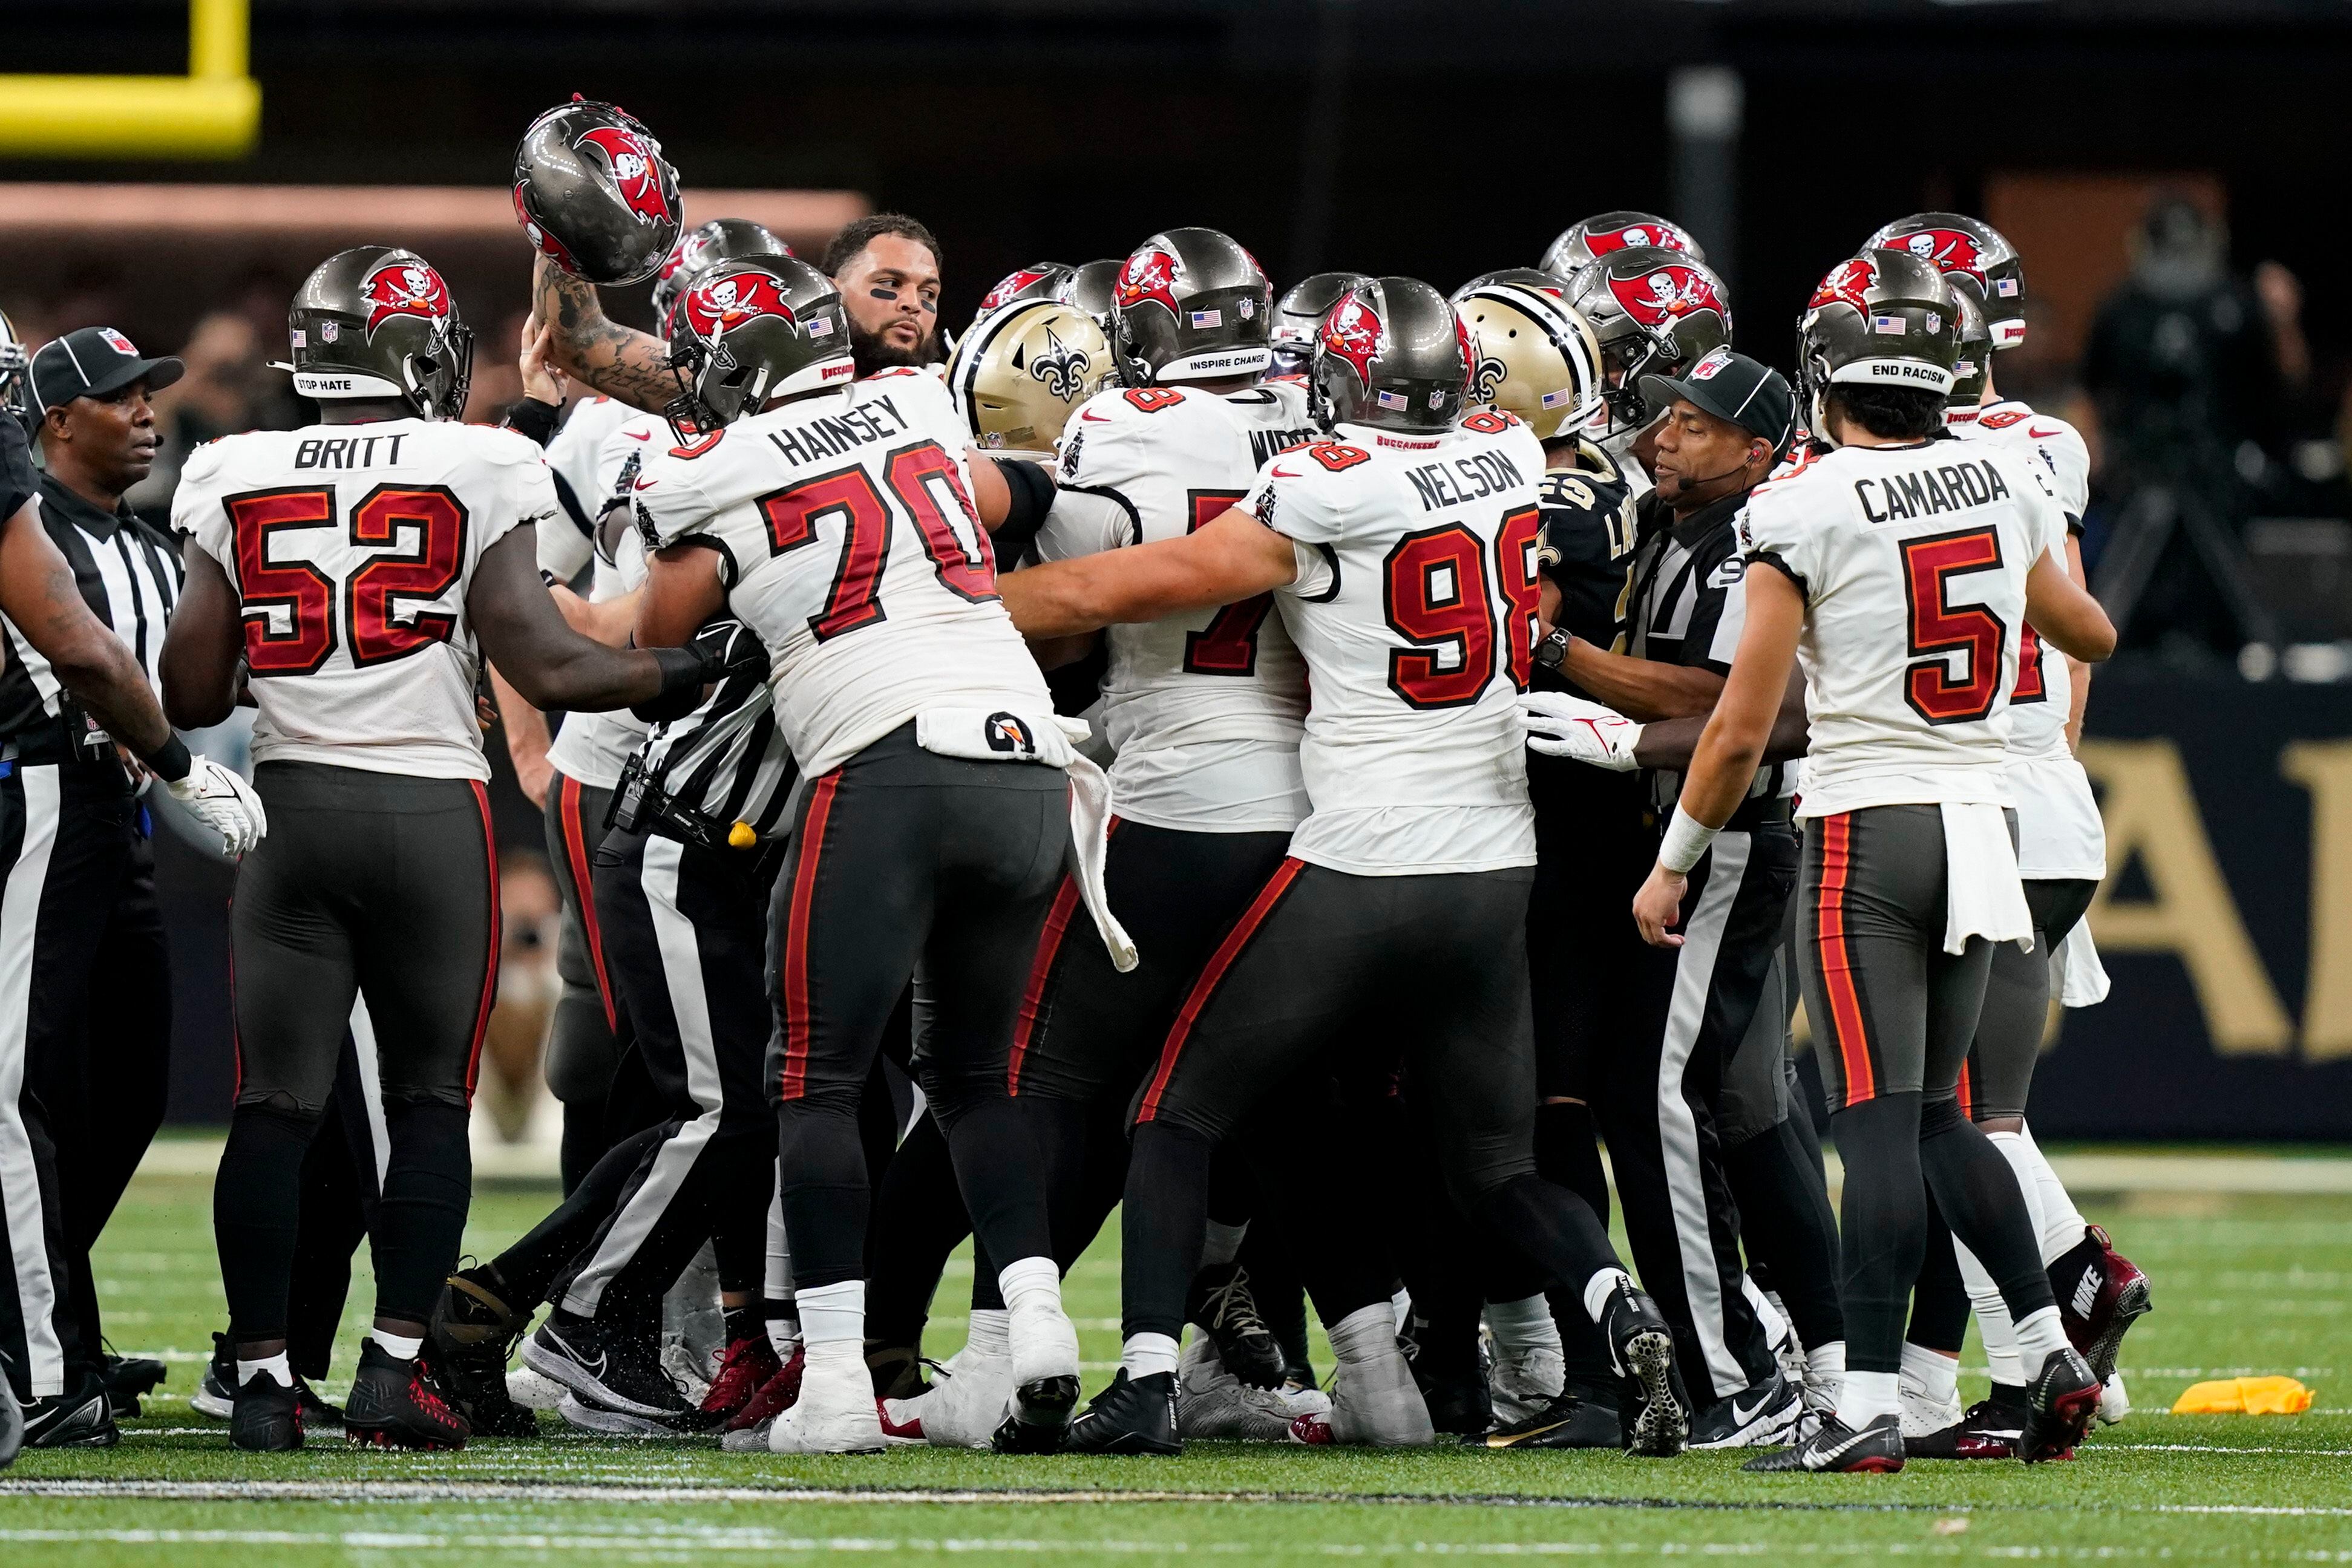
{"type": "Point", "coordinates": [1038, 280]}
{"type": "Point", "coordinates": [1390, 354]}
{"type": "Point", "coordinates": [1536, 356]}
{"type": "Point", "coordinates": [1090, 286]}
{"type": "Point", "coordinates": [750, 329]}
{"type": "Point", "coordinates": [592, 191]}
{"type": "Point", "coordinates": [1598, 236]}
{"type": "Point", "coordinates": [1973, 360]}
{"type": "Point", "coordinates": [720, 239]}
{"type": "Point", "coordinates": [1018, 376]}
{"type": "Point", "coordinates": [1653, 310]}
{"type": "Point", "coordinates": [15, 371]}
{"type": "Point", "coordinates": [1884, 319]}
{"type": "Point", "coordinates": [378, 322]}
{"type": "Point", "coordinates": [1959, 245]}
{"type": "Point", "coordinates": [1300, 310]}
{"type": "Point", "coordinates": [1191, 305]}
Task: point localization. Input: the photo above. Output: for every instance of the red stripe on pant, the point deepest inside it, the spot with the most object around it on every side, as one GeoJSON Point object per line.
{"type": "Point", "coordinates": [1845, 1021]}
{"type": "Point", "coordinates": [1967, 1091]}
{"type": "Point", "coordinates": [796, 946]}
{"type": "Point", "coordinates": [1049, 948]}
{"type": "Point", "coordinates": [1218, 963]}
{"type": "Point", "coordinates": [576, 850]}
{"type": "Point", "coordinates": [498, 938]}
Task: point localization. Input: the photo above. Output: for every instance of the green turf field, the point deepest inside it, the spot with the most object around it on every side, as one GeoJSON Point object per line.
{"type": "Point", "coordinates": [2243, 1284]}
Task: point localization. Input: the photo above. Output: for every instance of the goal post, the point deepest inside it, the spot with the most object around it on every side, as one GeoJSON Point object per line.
{"type": "Point", "coordinates": [213, 112]}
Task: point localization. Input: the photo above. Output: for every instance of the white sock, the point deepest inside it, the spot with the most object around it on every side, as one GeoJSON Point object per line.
{"type": "Point", "coordinates": [1936, 1375]}
{"type": "Point", "coordinates": [1147, 1355]}
{"type": "Point", "coordinates": [1365, 1334]}
{"type": "Point", "coordinates": [276, 1365]}
{"type": "Point", "coordinates": [1865, 1396]}
{"type": "Point", "coordinates": [2062, 1223]}
{"type": "Point", "coordinates": [1825, 1364]}
{"type": "Point", "coordinates": [2040, 1336]}
{"type": "Point", "coordinates": [1993, 1326]}
{"type": "Point", "coordinates": [399, 1346]}
{"type": "Point", "coordinates": [1400, 1309]}
{"type": "Point", "coordinates": [1598, 1290]}
{"type": "Point", "coordinates": [1223, 1244]}
{"type": "Point", "coordinates": [991, 1330]}
{"type": "Point", "coordinates": [1032, 1283]}
{"type": "Point", "coordinates": [785, 1336]}
{"type": "Point", "coordinates": [831, 1314]}
{"type": "Point", "coordinates": [1523, 1325]}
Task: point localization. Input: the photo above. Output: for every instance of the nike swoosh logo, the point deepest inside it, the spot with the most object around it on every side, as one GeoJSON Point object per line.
{"type": "Point", "coordinates": [638, 434]}
{"type": "Point", "coordinates": [1283, 473]}
{"type": "Point", "coordinates": [2041, 435]}
{"type": "Point", "coordinates": [1505, 1439]}
{"type": "Point", "coordinates": [1741, 1417]}
{"type": "Point", "coordinates": [1098, 418]}
{"type": "Point", "coordinates": [645, 484]}
{"type": "Point", "coordinates": [1830, 1456]}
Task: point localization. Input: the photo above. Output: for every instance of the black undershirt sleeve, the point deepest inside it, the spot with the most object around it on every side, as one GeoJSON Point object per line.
{"type": "Point", "coordinates": [1033, 497]}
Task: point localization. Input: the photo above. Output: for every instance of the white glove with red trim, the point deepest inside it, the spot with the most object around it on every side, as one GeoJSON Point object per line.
{"type": "Point", "coordinates": [1558, 725]}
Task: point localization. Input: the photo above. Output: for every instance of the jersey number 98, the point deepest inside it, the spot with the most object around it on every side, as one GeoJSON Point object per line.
{"type": "Point", "coordinates": [1435, 590]}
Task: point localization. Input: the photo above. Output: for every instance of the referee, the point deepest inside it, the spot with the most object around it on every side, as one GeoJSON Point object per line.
{"type": "Point", "coordinates": [85, 1000]}
{"type": "Point", "coordinates": [1686, 1009]}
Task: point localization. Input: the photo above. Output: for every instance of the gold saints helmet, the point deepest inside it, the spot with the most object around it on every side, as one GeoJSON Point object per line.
{"type": "Point", "coordinates": [1537, 358]}
{"type": "Point", "coordinates": [1023, 370]}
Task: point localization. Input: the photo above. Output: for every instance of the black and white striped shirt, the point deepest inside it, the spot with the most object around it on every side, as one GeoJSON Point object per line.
{"type": "Point", "coordinates": [130, 574]}
{"type": "Point", "coordinates": [727, 759]}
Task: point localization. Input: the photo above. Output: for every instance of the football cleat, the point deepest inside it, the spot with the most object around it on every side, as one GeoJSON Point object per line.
{"type": "Point", "coordinates": [80, 1419]}
{"type": "Point", "coordinates": [472, 1335]}
{"type": "Point", "coordinates": [751, 1439]}
{"type": "Point", "coordinates": [1571, 1421]}
{"type": "Point", "coordinates": [837, 1412]}
{"type": "Point", "coordinates": [1224, 1307]}
{"type": "Point", "coordinates": [267, 1416]}
{"type": "Point", "coordinates": [1525, 1382]}
{"type": "Point", "coordinates": [617, 1370]}
{"type": "Point", "coordinates": [2114, 1404]}
{"type": "Point", "coordinates": [1763, 1415]}
{"type": "Point", "coordinates": [1133, 1416]}
{"type": "Point", "coordinates": [1838, 1449]}
{"type": "Point", "coordinates": [1041, 1346]}
{"type": "Point", "coordinates": [126, 1378]}
{"type": "Point", "coordinates": [2101, 1293]}
{"type": "Point", "coordinates": [1212, 1403]}
{"type": "Point", "coordinates": [2059, 1403]}
{"type": "Point", "coordinates": [746, 1366]}
{"type": "Point", "coordinates": [967, 1402]}
{"type": "Point", "coordinates": [578, 1412]}
{"type": "Point", "coordinates": [12, 1427]}
{"type": "Point", "coordinates": [774, 1396]}
{"type": "Point", "coordinates": [398, 1404]}
{"type": "Point", "coordinates": [1988, 1430]}
{"type": "Point", "coordinates": [1654, 1409]}
{"type": "Point", "coordinates": [216, 1393]}
{"type": "Point", "coordinates": [897, 1370]}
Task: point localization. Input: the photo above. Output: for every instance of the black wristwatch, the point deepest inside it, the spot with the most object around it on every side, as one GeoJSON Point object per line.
{"type": "Point", "coordinates": [1553, 650]}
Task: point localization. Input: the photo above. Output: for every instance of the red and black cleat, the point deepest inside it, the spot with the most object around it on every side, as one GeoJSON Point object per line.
{"type": "Point", "coordinates": [778, 1393]}
{"type": "Point", "coordinates": [2101, 1293]}
{"type": "Point", "coordinates": [398, 1404]}
{"type": "Point", "coordinates": [749, 1365]}
{"type": "Point", "coordinates": [2059, 1403]}
{"type": "Point", "coordinates": [1989, 1431]}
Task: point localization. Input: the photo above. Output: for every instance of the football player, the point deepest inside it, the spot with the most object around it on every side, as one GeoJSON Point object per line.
{"type": "Point", "coordinates": [1656, 310]}
{"type": "Point", "coordinates": [1587, 238]}
{"type": "Point", "coordinates": [1039, 280]}
{"type": "Point", "coordinates": [2062, 855]}
{"type": "Point", "coordinates": [1299, 312]}
{"type": "Point", "coordinates": [839, 520]}
{"type": "Point", "coordinates": [1892, 569]}
{"type": "Point", "coordinates": [355, 573]}
{"type": "Point", "coordinates": [1402, 555]}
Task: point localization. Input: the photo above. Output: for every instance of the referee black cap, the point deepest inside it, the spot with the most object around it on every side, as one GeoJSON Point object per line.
{"type": "Point", "coordinates": [95, 362]}
{"type": "Point", "coordinates": [1736, 389]}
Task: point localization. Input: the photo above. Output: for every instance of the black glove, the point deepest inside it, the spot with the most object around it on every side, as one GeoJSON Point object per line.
{"type": "Point", "coordinates": [721, 650]}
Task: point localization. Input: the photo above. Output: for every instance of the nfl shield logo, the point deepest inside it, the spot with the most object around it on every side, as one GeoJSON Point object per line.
{"type": "Point", "coordinates": [326, 331]}
{"type": "Point", "coordinates": [118, 343]}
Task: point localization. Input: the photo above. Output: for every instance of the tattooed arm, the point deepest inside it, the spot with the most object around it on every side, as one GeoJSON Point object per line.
{"type": "Point", "coordinates": [621, 362]}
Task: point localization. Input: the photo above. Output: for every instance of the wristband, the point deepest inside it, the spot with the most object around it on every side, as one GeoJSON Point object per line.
{"type": "Point", "coordinates": [170, 761]}
{"type": "Point", "coordinates": [534, 419]}
{"type": "Point", "coordinates": [681, 686]}
{"type": "Point", "coordinates": [1687, 840]}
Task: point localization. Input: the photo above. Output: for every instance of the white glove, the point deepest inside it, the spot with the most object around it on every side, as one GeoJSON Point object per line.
{"type": "Point", "coordinates": [223, 802]}
{"type": "Point", "coordinates": [1558, 725]}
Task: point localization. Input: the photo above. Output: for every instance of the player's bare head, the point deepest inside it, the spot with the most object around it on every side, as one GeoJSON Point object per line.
{"type": "Point", "coordinates": [887, 266]}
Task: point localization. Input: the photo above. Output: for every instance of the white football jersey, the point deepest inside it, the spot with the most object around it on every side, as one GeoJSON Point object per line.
{"type": "Point", "coordinates": [594, 747]}
{"type": "Point", "coordinates": [351, 548]}
{"type": "Point", "coordinates": [847, 543]}
{"type": "Point", "coordinates": [1204, 709]}
{"type": "Point", "coordinates": [564, 546]}
{"type": "Point", "coordinates": [2059, 831]}
{"type": "Point", "coordinates": [1415, 608]}
{"type": "Point", "coordinates": [1912, 561]}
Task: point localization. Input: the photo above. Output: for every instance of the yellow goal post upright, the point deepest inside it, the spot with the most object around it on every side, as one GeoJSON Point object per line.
{"type": "Point", "coordinates": [213, 112]}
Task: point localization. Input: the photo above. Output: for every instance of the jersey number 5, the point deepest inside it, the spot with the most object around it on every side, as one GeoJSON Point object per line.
{"type": "Point", "coordinates": [288, 606]}
{"type": "Point", "coordinates": [1437, 595]}
{"type": "Point", "coordinates": [1939, 627]}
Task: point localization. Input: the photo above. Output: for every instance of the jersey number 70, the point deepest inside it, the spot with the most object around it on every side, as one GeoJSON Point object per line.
{"type": "Point", "coordinates": [913, 474]}
{"type": "Point", "coordinates": [299, 596]}
{"type": "Point", "coordinates": [1435, 590]}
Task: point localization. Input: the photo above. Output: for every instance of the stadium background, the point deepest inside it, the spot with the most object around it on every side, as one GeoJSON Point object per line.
{"type": "Point", "coordinates": [1439, 142]}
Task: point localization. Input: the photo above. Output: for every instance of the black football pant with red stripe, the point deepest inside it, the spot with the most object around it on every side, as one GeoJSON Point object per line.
{"type": "Point", "coordinates": [1892, 1016]}
{"type": "Point", "coordinates": [589, 1067]}
{"type": "Point", "coordinates": [1323, 967]}
{"type": "Point", "coordinates": [905, 863]}
{"type": "Point", "coordinates": [374, 884]}
{"type": "Point", "coordinates": [1087, 1035]}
